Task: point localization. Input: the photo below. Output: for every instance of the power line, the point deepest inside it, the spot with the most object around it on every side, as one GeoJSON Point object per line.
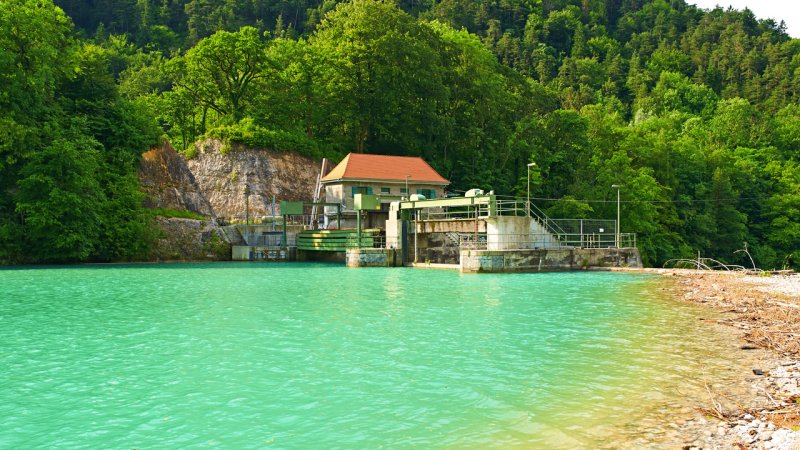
{"type": "Point", "coordinates": [716, 200]}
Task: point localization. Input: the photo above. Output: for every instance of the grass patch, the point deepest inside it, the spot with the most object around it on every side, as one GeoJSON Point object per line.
{"type": "Point", "coordinates": [177, 213]}
{"type": "Point", "coordinates": [252, 135]}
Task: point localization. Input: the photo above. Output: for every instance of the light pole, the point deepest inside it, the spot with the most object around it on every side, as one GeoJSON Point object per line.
{"type": "Point", "coordinates": [616, 237]}
{"type": "Point", "coordinates": [528, 204]}
{"type": "Point", "coordinates": [408, 196]}
{"type": "Point", "coordinates": [247, 204]}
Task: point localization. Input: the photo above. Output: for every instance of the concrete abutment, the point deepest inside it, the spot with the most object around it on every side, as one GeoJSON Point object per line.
{"type": "Point", "coordinates": [547, 260]}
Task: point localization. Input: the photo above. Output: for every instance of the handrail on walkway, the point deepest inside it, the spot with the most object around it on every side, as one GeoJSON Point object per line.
{"type": "Point", "coordinates": [484, 241]}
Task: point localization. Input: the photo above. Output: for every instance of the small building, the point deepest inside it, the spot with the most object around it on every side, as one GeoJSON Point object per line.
{"type": "Point", "coordinates": [391, 178]}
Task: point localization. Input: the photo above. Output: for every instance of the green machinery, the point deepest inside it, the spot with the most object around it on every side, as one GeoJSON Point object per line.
{"type": "Point", "coordinates": [487, 204]}
{"type": "Point", "coordinates": [340, 240]}
{"type": "Point", "coordinates": [298, 209]}
{"type": "Point", "coordinates": [337, 240]}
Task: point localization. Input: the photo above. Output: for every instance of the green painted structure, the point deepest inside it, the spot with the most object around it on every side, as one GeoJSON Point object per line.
{"type": "Point", "coordinates": [338, 240]}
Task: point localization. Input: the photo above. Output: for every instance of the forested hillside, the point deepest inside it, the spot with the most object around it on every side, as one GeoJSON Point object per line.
{"type": "Point", "coordinates": [695, 114]}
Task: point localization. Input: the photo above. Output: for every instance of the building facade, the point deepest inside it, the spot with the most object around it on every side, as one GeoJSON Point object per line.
{"type": "Point", "coordinates": [391, 178]}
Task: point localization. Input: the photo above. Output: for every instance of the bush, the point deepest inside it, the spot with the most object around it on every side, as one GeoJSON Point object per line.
{"type": "Point", "coordinates": [248, 133]}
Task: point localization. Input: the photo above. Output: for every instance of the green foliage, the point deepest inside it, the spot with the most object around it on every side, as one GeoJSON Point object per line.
{"type": "Point", "coordinates": [694, 113]}
{"type": "Point", "coordinates": [568, 206]}
{"type": "Point", "coordinates": [222, 71]}
{"type": "Point", "coordinates": [70, 148]}
{"type": "Point", "coordinates": [248, 133]}
{"type": "Point", "coordinates": [59, 201]}
{"type": "Point", "coordinates": [217, 248]}
{"type": "Point", "coordinates": [175, 213]}
{"type": "Point", "coordinates": [378, 61]}
{"type": "Point", "coordinates": [674, 92]}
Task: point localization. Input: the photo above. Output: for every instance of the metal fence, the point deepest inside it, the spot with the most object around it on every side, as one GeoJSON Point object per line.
{"type": "Point", "coordinates": [585, 226]}
{"type": "Point", "coordinates": [508, 206]}
{"type": "Point", "coordinates": [267, 239]}
{"type": "Point", "coordinates": [482, 241]}
{"type": "Point", "coordinates": [263, 254]}
{"type": "Point", "coordinates": [374, 241]}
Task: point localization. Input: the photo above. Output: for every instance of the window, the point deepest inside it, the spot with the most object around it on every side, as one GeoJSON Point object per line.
{"type": "Point", "coordinates": [386, 190]}
{"type": "Point", "coordinates": [428, 193]}
{"type": "Point", "coordinates": [403, 191]}
{"type": "Point", "coordinates": [361, 190]}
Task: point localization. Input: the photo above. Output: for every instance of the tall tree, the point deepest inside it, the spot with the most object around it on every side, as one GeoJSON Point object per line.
{"type": "Point", "coordinates": [221, 72]}
{"type": "Point", "coordinates": [384, 76]}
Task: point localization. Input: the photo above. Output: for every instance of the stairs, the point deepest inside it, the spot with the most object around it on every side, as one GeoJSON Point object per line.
{"type": "Point", "coordinates": [453, 237]}
{"type": "Point", "coordinates": [318, 188]}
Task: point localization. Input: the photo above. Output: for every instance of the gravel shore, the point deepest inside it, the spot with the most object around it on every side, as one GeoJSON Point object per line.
{"type": "Point", "coordinates": [765, 312]}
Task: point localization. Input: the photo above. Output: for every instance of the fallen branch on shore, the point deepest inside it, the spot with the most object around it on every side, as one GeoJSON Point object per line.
{"type": "Point", "coordinates": [767, 311]}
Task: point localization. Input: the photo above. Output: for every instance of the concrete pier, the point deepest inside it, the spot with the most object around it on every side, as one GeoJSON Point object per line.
{"type": "Point", "coordinates": [373, 257]}
{"type": "Point", "coordinates": [547, 260]}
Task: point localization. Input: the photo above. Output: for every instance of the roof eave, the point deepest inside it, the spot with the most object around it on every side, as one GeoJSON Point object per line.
{"type": "Point", "coordinates": [385, 180]}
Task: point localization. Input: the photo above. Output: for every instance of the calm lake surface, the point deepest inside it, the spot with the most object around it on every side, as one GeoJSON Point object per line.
{"type": "Point", "coordinates": [320, 356]}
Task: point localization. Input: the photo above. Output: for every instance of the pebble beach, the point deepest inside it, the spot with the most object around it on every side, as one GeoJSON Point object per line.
{"type": "Point", "coordinates": [763, 311]}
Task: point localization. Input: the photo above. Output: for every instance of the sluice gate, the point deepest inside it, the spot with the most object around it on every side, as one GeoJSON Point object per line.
{"type": "Point", "coordinates": [339, 240]}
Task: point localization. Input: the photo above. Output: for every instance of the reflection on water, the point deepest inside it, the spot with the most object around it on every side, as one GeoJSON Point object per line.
{"type": "Point", "coordinates": [308, 355]}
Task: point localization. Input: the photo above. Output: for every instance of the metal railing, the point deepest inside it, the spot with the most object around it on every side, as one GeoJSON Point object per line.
{"type": "Point", "coordinates": [268, 239]}
{"type": "Point", "coordinates": [482, 241]}
{"type": "Point", "coordinates": [453, 213]}
{"type": "Point", "coordinates": [308, 221]}
{"type": "Point", "coordinates": [265, 254]}
{"type": "Point", "coordinates": [256, 218]}
{"type": "Point", "coordinates": [587, 233]}
{"type": "Point", "coordinates": [376, 241]}
{"type": "Point", "coordinates": [585, 226]}
{"type": "Point", "coordinates": [504, 206]}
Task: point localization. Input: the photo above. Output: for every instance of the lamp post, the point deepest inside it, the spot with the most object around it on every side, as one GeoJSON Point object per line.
{"type": "Point", "coordinates": [408, 196]}
{"type": "Point", "coordinates": [528, 204]}
{"type": "Point", "coordinates": [247, 204]}
{"type": "Point", "coordinates": [616, 237]}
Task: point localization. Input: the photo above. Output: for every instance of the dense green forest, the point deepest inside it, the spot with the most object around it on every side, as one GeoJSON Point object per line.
{"type": "Point", "coordinates": [696, 114]}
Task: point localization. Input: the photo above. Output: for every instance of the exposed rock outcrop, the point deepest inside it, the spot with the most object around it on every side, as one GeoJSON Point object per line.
{"type": "Point", "coordinates": [168, 183]}
{"type": "Point", "coordinates": [190, 240]}
{"type": "Point", "coordinates": [222, 177]}
{"type": "Point", "coordinates": [212, 184]}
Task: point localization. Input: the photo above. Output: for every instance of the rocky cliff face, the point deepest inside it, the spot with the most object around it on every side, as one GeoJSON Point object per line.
{"type": "Point", "coordinates": [190, 240]}
{"type": "Point", "coordinates": [167, 182]}
{"type": "Point", "coordinates": [213, 183]}
{"type": "Point", "coordinates": [223, 177]}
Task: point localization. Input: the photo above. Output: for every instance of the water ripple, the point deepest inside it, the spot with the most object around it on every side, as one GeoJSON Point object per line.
{"type": "Point", "coordinates": [310, 355]}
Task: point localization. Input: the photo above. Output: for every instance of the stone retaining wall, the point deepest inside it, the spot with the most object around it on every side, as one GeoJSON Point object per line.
{"type": "Point", "coordinates": [547, 260]}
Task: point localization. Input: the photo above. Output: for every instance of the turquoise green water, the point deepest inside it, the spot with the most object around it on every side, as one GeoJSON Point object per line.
{"type": "Point", "coordinates": [321, 356]}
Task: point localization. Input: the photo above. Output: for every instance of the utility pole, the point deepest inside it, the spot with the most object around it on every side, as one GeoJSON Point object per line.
{"type": "Point", "coordinates": [247, 204]}
{"type": "Point", "coordinates": [528, 204]}
{"type": "Point", "coordinates": [616, 226]}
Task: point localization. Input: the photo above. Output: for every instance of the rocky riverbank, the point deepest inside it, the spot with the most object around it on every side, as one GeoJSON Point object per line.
{"type": "Point", "coordinates": [765, 313]}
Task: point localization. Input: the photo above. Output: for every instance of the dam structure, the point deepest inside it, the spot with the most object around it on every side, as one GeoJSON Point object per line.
{"type": "Point", "coordinates": [486, 233]}
{"type": "Point", "coordinates": [474, 233]}
{"type": "Point", "coordinates": [364, 213]}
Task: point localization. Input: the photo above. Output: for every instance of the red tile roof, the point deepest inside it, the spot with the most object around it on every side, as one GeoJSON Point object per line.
{"type": "Point", "coordinates": [361, 166]}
